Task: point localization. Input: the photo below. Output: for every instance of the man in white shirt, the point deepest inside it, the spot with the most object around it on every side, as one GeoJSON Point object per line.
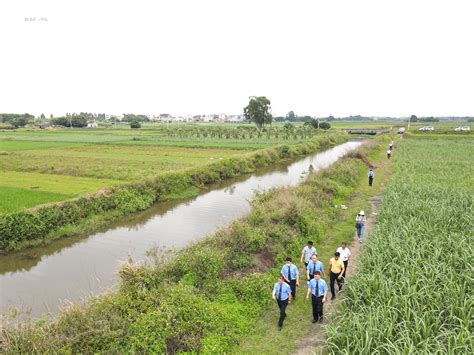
{"type": "Point", "coordinates": [308, 252]}
{"type": "Point", "coordinates": [345, 254]}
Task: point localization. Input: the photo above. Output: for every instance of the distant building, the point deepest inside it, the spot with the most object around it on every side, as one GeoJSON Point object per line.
{"type": "Point", "coordinates": [92, 124]}
{"type": "Point", "coordinates": [43, 125]}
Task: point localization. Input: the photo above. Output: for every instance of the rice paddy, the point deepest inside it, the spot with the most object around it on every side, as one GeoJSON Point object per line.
{"type": "Point", "coordinates": [42, 166]}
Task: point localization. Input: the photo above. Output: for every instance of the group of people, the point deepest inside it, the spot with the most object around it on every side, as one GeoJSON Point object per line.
{"type": "Point", "coordinates": [284, 290]}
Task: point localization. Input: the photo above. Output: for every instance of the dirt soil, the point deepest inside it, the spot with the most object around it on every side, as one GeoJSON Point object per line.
{"type": "Point", "coordinates": [314, 342]}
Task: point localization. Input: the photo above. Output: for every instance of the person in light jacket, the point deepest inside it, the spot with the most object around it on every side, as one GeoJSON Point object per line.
{"type": "Point", "coordinates": [360, 225]}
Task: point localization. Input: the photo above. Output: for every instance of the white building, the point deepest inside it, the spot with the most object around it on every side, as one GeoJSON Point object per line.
{"type": "Point", "coordinates": [92, 124]}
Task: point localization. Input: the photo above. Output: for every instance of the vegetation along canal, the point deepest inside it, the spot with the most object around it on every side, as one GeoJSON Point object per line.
{"type": "Point", "coordinates": [40, 280]}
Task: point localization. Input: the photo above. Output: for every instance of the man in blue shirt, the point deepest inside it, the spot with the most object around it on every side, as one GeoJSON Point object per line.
{"type": "Point", "coordinates": [371, 176]}
{"type": "Point", "coordinates": [313, 266]}
{"type": "Point", "coordinates": [291, 275]}
{"type": "Point", "coordinates": [318, 289]}
{"type": "Point", "coordinates": [282, 294]}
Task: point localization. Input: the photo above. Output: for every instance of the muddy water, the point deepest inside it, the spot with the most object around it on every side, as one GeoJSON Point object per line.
{"type": "Point", "coordinates": [41, 280]}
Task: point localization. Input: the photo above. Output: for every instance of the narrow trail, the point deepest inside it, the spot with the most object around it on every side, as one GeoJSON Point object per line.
{"type": "Point", "coordinates": [313, 343]}
{"type": "Point", "coordinates": [299, 334]}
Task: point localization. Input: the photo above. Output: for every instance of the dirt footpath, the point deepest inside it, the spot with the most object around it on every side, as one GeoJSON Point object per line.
{"type": "Point", "coordinates": [313, 343]}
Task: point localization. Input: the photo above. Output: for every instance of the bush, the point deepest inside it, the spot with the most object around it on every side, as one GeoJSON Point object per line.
{"type": "Point", "coordinates": [135, 124]}
{"type": "Point", "coordinates": [324, 125]}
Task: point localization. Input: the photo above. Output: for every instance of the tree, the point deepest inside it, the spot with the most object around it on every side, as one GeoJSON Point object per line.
{"type": "Point", "coordinates": [324, 125]}
{"type": "Point", "coordinates": [413, 118]}
{"type": "Point", "coordinates": [19, 122]}
{"type": "Point", "coordinates": [135, 124]}
{"type": "Point", "coordinates": [313, 123]}
{"type": "Point", "coordinates": [51, 116]}
{"type": "Point", "coordinates": [258, 111]}
{"type": "Point", "coordinates": [290, 116]}
{"type": "Point", "coordinates": [42, 116]}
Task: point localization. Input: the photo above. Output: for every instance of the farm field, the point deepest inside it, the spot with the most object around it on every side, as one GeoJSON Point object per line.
{"type": "Point", "coordinates": [413, 292]}
{"type": "Point", "coordinates": [42, 166]}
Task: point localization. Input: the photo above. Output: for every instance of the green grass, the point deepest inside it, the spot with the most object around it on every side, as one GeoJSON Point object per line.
{"type": "Point", "coordinates": [117, 162]}
{"type": "Point", "coordinates": [72, 162]}
{"type": "Point", "coordinates": [413, 292]}
{"type": "Point", "coordinates": [13, 199]}
{"type": "Point", "coordinates": [17, 145]}
{"type": "Point", "coordinates": [24, 190]}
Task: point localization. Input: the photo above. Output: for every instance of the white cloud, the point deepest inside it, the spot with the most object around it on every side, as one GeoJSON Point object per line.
{"type": "Point", "coordinates": [314, 57]}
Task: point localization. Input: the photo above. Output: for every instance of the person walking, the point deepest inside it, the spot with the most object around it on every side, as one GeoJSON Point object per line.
{"type": "Point", "coordinates": [344, 253]}
{"type": "Point", "coordinates": [371, 176]}
{"type": "Point", "coordinates": [389, 154]}
{"type": "Point", "coordinates": [291, 275]}
{"type": "Point", "coordinates": [282, 294]}
{"type": "Point", "coordinates": [313, 266]}
{"type": "Point", "coordinates": [337, 269]}
{"type": "Point", "coordinates": [308, 251]}
{"type": "Point", "coordinates": [360, 225]}
{"type": "Point", "coordinates": [318, 289]}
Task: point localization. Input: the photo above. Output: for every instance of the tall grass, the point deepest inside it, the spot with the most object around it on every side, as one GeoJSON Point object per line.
{"type": "Point", "coordinates": [413, 293]}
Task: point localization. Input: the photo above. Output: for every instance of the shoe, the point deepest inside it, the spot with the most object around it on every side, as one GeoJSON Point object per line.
{"type": "Point", "coordinates": [279, 328]}
{"type": "Point", "coordinates": [360, 241]}
{"type": "Point", "coordinates": [314, 321]}
{"type": "Point", "coordinates": [333, 298]}
{"type": "Point", "coordinates": [321, 320]}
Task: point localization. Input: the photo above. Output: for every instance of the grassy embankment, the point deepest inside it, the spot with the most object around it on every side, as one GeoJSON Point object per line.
{"type": "Point", "coordinates": [210, 295]}
{"type": "Point", "coordinates": [413, 292]}
{"type": "Point", "coordinates": [84, 214]}
{"type": "Point", "coordinates": [265, 338]}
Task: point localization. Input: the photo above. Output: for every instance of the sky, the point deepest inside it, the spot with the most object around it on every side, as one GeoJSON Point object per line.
{"type": "Point", "coordinates": [368, 57]}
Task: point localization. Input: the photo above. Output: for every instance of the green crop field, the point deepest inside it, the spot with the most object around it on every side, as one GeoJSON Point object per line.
{"type": "Point", "coordinates": [413, 292]}
{"type": "Point", "coordinates": [41, 166]}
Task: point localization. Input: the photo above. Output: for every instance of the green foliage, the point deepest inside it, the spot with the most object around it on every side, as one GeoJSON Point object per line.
{"type": "Point", "coordinates": [413, 291]}
{"type": "Point", "coordinates": [324, 125]}
{"type": "Point", "coordinates": [258, 111]}
{"type": "Point", "coordinates": [135, 124]}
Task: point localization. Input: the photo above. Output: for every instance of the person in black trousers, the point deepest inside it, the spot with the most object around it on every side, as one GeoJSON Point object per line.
{"type": "Point", "coordinates": [291, 275]}
{"type": "Point", "coordinates": [371, 176]}
{"type": "Point", "coordinates": [318, 289]}
{"type": "Point", "coordinates": [337, 269]}
{"type": "Point", "coordinates": [282, 294]}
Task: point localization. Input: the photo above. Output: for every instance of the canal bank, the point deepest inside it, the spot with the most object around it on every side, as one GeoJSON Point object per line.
{"type": "Point", "coordinates": [41, 280]}
{"type": "Point", "coordinates": [210, 295]}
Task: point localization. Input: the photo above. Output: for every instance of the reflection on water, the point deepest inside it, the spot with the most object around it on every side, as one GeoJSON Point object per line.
{"type": "Point", "coordinates": [74, 268]}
